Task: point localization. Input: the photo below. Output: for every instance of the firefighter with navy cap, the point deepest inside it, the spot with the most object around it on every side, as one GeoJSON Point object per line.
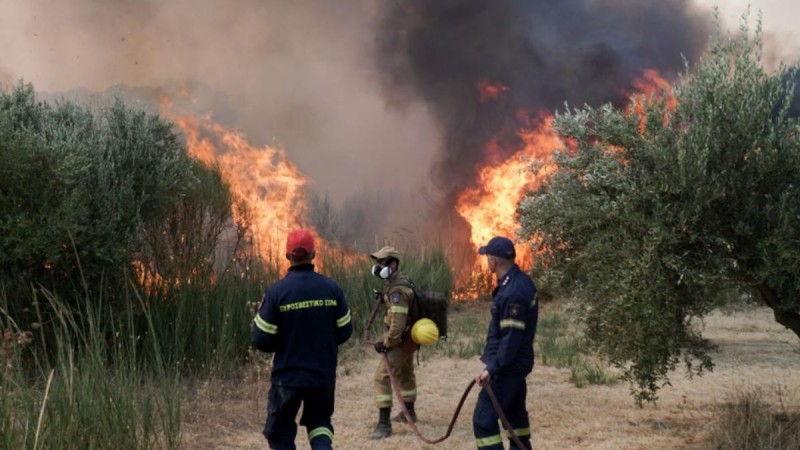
{"type": "Point", "coordinates": [396, 343]}
{"type": "Point", "coordinates": [303, 319]}
{"type": "Point", "coordinates": [508, 354]}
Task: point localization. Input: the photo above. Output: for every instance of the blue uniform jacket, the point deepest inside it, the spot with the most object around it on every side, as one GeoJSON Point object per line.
{"type": "Point", "coordinates": [515, 312]}
{"type": "Point", "coordinates": [303, 318]}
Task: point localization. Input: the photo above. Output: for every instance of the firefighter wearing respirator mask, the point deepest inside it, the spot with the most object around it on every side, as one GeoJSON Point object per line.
{"type": "Point", "coordinates": [396, 342]}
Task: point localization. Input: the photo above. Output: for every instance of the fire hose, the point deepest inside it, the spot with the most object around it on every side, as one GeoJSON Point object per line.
{"type": "Point", "coordinates": [407, 415]}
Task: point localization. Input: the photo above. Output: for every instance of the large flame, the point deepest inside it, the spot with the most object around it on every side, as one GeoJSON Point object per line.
{"type": "Point", "coordinates": [270, 184]}
{"type": "Point", "coordinates": [490, 207]}
{"type": "Point", "coordinates": [273, 187]}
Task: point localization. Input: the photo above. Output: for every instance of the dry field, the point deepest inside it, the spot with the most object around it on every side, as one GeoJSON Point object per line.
{"type": "Point", "coordinates": [754, 352]}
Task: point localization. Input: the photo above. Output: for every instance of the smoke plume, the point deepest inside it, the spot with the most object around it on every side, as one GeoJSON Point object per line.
{"type": "Point", "coordinates": [543, 52]}
{"type": "Point", "coordinates": [292, 74]}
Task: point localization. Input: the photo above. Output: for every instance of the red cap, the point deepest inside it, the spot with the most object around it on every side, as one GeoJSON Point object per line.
{"type": "Point", "coordinates": [299, 243]}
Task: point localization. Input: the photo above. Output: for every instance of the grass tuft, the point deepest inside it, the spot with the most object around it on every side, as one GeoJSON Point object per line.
{"type": "Point", "coordinates": [748, 422]}
{"type": "Point", "coordinates": [557, 346]}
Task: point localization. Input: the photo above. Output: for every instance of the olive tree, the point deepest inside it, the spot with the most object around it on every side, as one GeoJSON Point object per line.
{"type": "Point", "coordinates": [657, 214]}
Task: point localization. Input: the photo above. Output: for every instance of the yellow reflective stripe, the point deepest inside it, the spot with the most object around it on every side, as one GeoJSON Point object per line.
{"type": "Point", "coordinates": [344, 320]}
{"type": "Point", "coordinates": [520, 432]}
{"type": "Point", "coordinates": [320, 431]}
{"type": "Point", "coordinates": [399, 309]}
{"type": "Point", "coordinates": [411, 393]}
{"type": "Point", "coordinates": [512, 323]}
{"type": "Point", "coordinates": [487, 441]}
{"type": "Point", "coordinates": [265, 326]}
{"type": "Point", "coordinates": [383, 398]}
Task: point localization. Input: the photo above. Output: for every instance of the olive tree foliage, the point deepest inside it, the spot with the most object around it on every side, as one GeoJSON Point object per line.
{"type": "Point", "coordinates": [655, 216]}
{"type": "Point", "coordinates": [83, 191]}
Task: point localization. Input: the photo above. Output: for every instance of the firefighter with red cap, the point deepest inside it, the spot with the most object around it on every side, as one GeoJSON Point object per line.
{"type": "Point", "coordinates": [508, 354]}
{"type": "Point", "coordinates": [396, 342]}
{"type": "Point", "coordinates": [303, 319]}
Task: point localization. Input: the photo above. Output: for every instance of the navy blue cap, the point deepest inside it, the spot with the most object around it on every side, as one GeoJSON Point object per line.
{"type": "Point", "coordinates": [499, 246]}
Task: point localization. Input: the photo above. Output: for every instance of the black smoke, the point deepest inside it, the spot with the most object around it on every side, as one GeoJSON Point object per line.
{"type": "Point", "coordinates": [546, 52]}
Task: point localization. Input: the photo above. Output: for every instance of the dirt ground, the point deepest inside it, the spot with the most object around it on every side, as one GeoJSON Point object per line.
{"type": "Point", "coordinates": [754, 352]}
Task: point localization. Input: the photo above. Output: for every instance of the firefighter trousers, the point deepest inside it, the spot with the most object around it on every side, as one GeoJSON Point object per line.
{"type": "Point", "coordinates": [283, 404]}
{"type": "Point", "coordinates": [402, 365]}
{"type": "Point", "coordinates": [511, 392]}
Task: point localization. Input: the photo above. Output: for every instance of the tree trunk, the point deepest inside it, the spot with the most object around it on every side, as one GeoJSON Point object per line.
{"type": "Point", "coordinates": [789, 319]}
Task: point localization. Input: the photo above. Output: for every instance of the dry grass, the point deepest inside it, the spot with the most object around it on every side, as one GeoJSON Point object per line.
{"type": "Point", "coordinates": [750, 422]}
{"type": "Point", "coordinates": [754, 352]}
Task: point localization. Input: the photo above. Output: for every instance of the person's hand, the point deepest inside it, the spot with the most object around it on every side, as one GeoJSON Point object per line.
{"type": "Point", "coordinates": [482, 377]}
{"type": "Point", "coordinates": [379, 347]}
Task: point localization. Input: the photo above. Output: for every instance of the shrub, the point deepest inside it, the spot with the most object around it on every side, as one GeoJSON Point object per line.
{"type": "Point", "coordinates": [78, 189]}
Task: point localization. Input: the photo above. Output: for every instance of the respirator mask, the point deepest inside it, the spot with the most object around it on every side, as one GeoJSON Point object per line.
{"type": "Point", "coordinates": [381, 271]}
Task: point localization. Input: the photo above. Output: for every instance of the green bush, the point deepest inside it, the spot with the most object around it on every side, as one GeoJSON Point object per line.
{"type": "Point", "coordinates": [97, 204]}
{"type": "Point", "coordinates": [77, 189]}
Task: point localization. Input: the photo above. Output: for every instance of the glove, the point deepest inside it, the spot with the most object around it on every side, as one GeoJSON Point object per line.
{"type": "Point", "coordinates": [379, 347]}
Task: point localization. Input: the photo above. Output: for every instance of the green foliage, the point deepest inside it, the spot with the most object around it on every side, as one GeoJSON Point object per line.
{"type": "Point", "coordinates": [585, 372]}
{"type": "Point", "coordinates": [655, 222]}
{"type": "Point", "coordinates": [352, 275]}
{"type": "Point", "coordinates": [90, 199]}
{"type": "Point", "coordinates": [203, 329]}
{"type": "Point", "coordinates": [468, 322]}
{"type": "Point", "coordinates": [429, 268]}
{"type": "Point", "coordinates": [558, 346]}
{"type": "Point", "coordinates": [554, 346]}
{"type": "Point", "coordinates": [184, 246]}
{"type": "Point", "coordinates": [77, 189]}
{"type": "Point", "coordinates": [78, 399]}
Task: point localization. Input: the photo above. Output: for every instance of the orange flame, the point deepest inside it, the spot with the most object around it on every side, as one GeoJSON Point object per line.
{"type": "Point", "coordinates": [490, 208]}
{"type": "Point", "coordinates": [652, 85]}
{"type": "Point", "coordinates": [268, 182]}
{"type": "Point", "coordinates": [265, 180]}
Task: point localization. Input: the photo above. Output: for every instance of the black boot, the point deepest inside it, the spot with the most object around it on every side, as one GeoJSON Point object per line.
{"type": "Point", "coordinates": [401, 418]}
{"type": "Point", "coordinates": [384, 428]}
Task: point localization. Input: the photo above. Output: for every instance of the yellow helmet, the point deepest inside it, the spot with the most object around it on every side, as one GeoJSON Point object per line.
{"type": "Point", "coordinates": [425, 332]}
